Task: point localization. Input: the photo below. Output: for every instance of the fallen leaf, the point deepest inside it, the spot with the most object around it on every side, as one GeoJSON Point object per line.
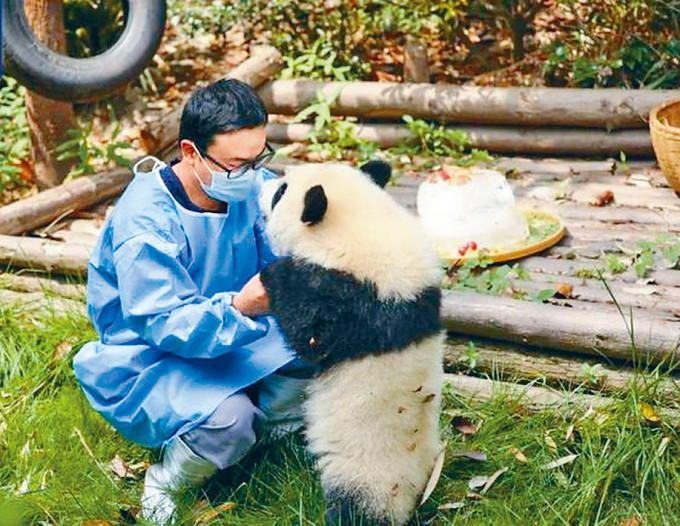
{"type": "Point", "coordinates": [632, 521]}
{"type": "Point", "coordinates": [434, 476]}
{"type": "Point", "coordinates": [549, 441]}
{"type": "Point", "coordinates": [570, 433]}
{"type": "Point", "coordinates": [62, 350]}
{"type": "Point", "coordinates": [662, 446]}
{"type": "Point", "coordinates": [519, 456]}
{"type": "Point", "coordinates": [602, 199]}
{"type": "Point", "coordinates": [493, 479]}
{"type": "Point", "coordinates": [451, 506]}
{"type": "Point", "coordinates": [97, 523]}
{"type": "Point", "coordinates": [474, 495]}
{"type": "Point", "coordinates": [121, 469]}
{"type": "Point", "coordinates": [462, 424]}
{"type": "Point", "coordinates": [472, 455]}
{"type": "Point", "coordinates": [649, 414]}
{"type": "Point", "coordinates": [560, 461]}
{"type": "Point", "coordinates": [477, 482]}
{"type": "Point", "coordinates": [213, 513]}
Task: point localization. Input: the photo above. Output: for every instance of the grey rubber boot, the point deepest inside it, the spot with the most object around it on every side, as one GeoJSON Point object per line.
{"type": "Point", "coordinates": [180, 467]}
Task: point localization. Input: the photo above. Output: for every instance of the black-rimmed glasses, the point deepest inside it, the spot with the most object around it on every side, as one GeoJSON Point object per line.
{"type": "Point", "coordinates": [253, 164]}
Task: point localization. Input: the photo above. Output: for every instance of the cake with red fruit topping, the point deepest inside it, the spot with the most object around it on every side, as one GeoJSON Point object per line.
{"type": "Point", "coordinates": [469, 209]}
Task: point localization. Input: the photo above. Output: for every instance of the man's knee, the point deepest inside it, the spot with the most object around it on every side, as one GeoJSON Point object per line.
{"type": "Point", "coordinates": [227, 434]}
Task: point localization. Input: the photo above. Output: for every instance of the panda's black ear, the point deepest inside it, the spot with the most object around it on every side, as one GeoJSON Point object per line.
{"type": "Point", "coordinates": [315, 205]}
{"type": "Point", "coordinates": [379, 171]}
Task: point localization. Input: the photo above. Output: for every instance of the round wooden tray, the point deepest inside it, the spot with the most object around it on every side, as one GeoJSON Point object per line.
{"type": "Point", "coordinates": [535, 243]}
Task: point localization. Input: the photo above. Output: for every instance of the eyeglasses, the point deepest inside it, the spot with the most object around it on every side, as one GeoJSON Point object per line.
{"type": "Point", "coordinates": [252, 164]}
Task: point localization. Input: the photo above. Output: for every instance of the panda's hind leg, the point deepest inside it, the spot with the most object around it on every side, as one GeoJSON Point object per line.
{"type": "Point", "coordinates": [341, 510]}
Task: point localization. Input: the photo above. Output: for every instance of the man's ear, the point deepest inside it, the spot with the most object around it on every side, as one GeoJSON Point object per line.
{"type": "Point", "coordinates": [315, 205]}
{"type": "Point", "coordinates": [187, 148]}
{"type": "Point", "coordinates": [379, 171]}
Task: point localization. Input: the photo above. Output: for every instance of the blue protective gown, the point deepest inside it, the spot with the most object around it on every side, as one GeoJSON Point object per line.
{"type": "Point", "coordinates": [171, 347]}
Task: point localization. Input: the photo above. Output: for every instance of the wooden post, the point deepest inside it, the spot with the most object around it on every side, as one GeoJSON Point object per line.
{"type": "Point", "coordinates": [48, 120]}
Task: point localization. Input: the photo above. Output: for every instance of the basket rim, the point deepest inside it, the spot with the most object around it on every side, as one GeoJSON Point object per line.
{"type": "Point", "coordinates": [654, 120]}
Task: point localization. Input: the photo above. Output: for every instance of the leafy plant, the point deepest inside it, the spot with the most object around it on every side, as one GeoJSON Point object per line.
{"type": "Point", "coordinates": [88, 153]}
{"type": "Point", "coordinates": [480, 275]}
{"type": "Point", "coordinates": [438, 141]}
{"type": "Point", "coordinates": [333, 137]}
{"type": "Point", "coordinates": [317, 62]}
{"type": "Point", "coordinates": [92, 26]}
{"type": "Point", "coordinates": [15, 140]}
{"type": "Point", "coordinates": [629, 43]}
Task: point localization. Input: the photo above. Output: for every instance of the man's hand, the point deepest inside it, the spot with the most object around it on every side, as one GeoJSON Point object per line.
{"type": "Point", "coordinates": [252, 299]}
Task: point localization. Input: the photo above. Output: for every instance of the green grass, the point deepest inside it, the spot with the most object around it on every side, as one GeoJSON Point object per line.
{"type": "Point", "coordinates": [55, 452]}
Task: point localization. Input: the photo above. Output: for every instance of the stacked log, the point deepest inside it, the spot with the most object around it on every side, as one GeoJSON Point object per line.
{"type": "Point", "coordinates": [563, 121]}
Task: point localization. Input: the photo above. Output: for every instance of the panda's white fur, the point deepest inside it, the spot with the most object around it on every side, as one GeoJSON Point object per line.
{"type": "Point", "coordinates": [364, 231]}
{"type": "Point", "coordinates": [372, 422]}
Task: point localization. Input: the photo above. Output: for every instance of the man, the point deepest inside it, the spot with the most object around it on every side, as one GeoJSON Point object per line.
{"type": "Point", "coordinates": [175, 296]}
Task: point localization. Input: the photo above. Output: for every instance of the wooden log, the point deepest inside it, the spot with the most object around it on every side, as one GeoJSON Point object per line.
{"type": "Point", "coordinates": [44, 254]}
{"type": "Point", "coordinates": [23, 283]}
{"type": "Point", "coordinates": [502, 360]}
{"type": "Point", "coordinates": [540, 325]}
{"type": "Point", "coordinates": [608, 108]}
{"type": "Point", "coordinates": [84, 192]}
{"type": "Point", "coordinates": [535, 398]}
{"type": "Point", "coordinates": [263, 63]}
{"type": "Point", "coordinates": [40, 209]}
{"type": "Point", "coordinates": [38, 302]}
{"type": "Point", "coordinates": [507, 140]}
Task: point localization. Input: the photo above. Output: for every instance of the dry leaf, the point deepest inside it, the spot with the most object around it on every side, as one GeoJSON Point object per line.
{"type": "Point", "coordinates": [211, 514]}
{"type": "Point", "coordinates": [434, 476]}
{"type": "Point", "coordinates": [602, 199]}
{"type": "Point", "coordinates": [549, 441]}
{"type": "Point", "coordinates": [519, 456]}
{"type": "Point", "coordinates": [472, 455]}
{"type": "Point", "coordinates": [570, 433]}
{"type": "Point", "coordinates": [121, 469]}
{"type": "Point", "coordinates": [649, 414]}
{"type": "Point", "coordinates": [477, 482]}
{"type": "Point", "coordinates": [462, 424]}
{"type": "Point", "coordinates": [62, 349]}
{"type": "Point", "coordinates": [632, 521]}
{"type": "Point", "coordinates": [560, 461]}
{"type": "Point", "coordinates": [662, 446]}
{"type": "Point", "coordinates": [493, 479]}
{"type": "Point", "coordinates": [98, 523]}
{"type": "Point", "coordinates": [451, 506]}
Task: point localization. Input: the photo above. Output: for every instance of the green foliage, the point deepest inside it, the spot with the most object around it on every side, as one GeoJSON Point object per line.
{"type": "Point", "coordinates": [15, 140]}
{"type": "Point", "coordinates": [90, 155]}
{"type": "Point", "coordinates": [481, 275]}
{"type": "Point", "coordinates": [92, 26]}
{"type": "Point", "coordinates": [438, 141]}
{"type": "Point", "coordinates": [333, 137]}
{"type": "Point", "coordinates": [630, 43]}
{"type": "Point", "coordinates": [317, 62]}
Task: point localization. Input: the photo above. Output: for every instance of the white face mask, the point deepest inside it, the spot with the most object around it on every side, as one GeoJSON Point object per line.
{"type": "Point", "coordinates": [231, 187]}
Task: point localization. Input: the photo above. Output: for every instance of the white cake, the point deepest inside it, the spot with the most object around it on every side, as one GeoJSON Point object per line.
{"type": "Point", "coordinates": [473, 208]}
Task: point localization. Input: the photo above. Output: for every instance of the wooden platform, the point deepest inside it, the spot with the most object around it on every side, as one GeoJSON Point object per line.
{"type": "Point", "coordinates": [643, 208]}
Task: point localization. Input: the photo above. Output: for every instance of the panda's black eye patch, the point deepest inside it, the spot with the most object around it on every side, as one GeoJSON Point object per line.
{"type": "Point", "coordinates": [279, 194]}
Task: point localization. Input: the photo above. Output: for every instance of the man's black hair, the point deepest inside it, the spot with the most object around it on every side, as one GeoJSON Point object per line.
{"type": "Point", "coordinates": [226, 106]}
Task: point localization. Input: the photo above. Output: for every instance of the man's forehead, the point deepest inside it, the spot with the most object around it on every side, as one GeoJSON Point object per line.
{"type": "Point", "coordinates": [239, 145]}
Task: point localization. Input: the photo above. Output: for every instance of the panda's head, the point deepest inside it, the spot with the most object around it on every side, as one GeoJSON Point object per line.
{"type": "Point", "coordinates": [341, 218]}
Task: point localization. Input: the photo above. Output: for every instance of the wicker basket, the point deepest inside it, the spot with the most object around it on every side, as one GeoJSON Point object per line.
{"type": "Point", "coordinates": [664, 127]}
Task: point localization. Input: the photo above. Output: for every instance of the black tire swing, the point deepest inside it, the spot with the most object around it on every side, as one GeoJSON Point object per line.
{"type": "Point", "coordinates": [71, 79]}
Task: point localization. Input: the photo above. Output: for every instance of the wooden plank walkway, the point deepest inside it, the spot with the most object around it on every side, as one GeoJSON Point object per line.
{"type": "Point", "coordinates": [644, 208]}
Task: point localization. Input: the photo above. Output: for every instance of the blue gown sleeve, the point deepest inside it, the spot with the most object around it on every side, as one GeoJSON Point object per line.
{"type": "Point", "coordinates": [161, 303]}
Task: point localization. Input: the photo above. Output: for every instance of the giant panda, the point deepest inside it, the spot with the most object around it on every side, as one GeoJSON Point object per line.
{"type": "Point", "coordinates": [356, 292]}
